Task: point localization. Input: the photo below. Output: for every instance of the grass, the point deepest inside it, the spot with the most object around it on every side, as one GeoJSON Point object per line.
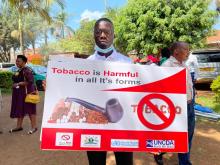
{"type": "Point", "coordinates": [5, 91]}
{"type": "Point", "coordinates": [209, 101]}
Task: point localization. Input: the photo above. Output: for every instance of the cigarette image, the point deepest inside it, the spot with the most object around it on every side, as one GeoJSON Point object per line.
{"type": "Point", "coordinates": [73, 110]}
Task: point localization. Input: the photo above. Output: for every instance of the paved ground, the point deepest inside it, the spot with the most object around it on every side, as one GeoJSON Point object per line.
{"type": "Point", "coordinates": [22, 149]}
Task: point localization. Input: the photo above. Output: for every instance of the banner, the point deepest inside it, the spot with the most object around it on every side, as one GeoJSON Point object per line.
{"type": "Point", "coordinates": [96, 105]}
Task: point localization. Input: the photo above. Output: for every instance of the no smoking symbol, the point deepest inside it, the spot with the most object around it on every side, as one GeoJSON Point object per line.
{"type": "Point", "coordinates": [166, 120]}
{"type": "Point", "coordinates": [65, 137]}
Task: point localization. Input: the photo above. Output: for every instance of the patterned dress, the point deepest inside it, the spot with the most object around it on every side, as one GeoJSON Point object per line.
{"type": "Point", "coordinates": [18, 107]}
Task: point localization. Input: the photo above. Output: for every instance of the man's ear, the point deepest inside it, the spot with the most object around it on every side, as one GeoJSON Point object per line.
{"type": "Point", "coordinates": [176, 52]}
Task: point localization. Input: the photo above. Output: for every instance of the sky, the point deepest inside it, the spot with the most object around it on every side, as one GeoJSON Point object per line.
{"type": "Point", "coordinates": [90, 9]}
{"type": "Point", "coordinates": [94, 9]}
{"type": "Point", "coordinates": [217, 25]}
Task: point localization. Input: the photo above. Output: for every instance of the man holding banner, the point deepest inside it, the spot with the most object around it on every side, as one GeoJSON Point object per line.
{"type": "Point", "coordinates": [180, 53]}
{"type": "Point", "coordinates": [104, 51]}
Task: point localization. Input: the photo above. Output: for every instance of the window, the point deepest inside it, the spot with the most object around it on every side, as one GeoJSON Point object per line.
{"type": "Point", "coordinates": [207, 57]}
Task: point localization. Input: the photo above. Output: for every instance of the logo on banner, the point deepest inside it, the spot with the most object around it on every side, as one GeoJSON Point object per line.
{"type": "Point", "coordinates": [124, 143]}
{"type": "Point", "coordinates": [167, 121]}
{"type": "Point", "coordinates": [160, 144]}
{"type": "Point", "coordinates": [91, 141]}
{"type": "Point", "coordinates": [64, 139]}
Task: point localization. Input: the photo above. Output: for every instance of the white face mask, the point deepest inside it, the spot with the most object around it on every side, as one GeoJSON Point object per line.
{"type": "Point", "coordinates": [98, 49]}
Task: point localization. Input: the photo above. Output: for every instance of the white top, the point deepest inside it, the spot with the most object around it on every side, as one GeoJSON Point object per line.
{"type": "Point", "coordinates": [192, 64]}
{"type": "Point", "coordinates": [172, 62]}
{"type": "Point", "coordinates": [114, 57]}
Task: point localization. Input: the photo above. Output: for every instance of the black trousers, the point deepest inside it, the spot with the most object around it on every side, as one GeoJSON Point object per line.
{"type": "Point", "coordinates": [99, 158]}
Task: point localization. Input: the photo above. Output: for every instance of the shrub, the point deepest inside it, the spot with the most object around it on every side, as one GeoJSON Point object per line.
{"type": "Point", "coordinates": [215, 86]}
{"type": "Point", "coordinates": [5, 79]}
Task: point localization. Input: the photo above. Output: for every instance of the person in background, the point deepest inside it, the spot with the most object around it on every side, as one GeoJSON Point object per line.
{"type": "Point", "coordinates": [105, 51]}
{"type": "Point", "coordinates": [152, 60]}
{"type": "Point", "coordinates": [137, 60]}
{"type": "Point", "coordinates": [165, 54]}
{"type": "Point", "coordinates": [179, 54]}
{"type": "Point", "coordinates": [193, 67]}
{"type": "Point", "coordinates": [23, 83]}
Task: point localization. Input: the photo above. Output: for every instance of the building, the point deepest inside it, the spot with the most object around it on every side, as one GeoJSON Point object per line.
{"type": "Point", "coordinates": [214, 40]}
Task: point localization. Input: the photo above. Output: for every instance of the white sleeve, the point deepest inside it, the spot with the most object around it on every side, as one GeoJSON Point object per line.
{"type": "Point", "coordinates": [196, 69]}
{"type": "Point", "coordinates": [166, 64]}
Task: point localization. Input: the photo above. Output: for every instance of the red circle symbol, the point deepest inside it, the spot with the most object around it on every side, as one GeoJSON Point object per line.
{"type": "Point", "coordinates": [65, 137]}
{"type": "Point", "coordinates": [166, 120]}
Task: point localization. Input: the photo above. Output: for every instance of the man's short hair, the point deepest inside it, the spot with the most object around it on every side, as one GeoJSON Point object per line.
{"type": "Point", "coordinates": [176, 45]}
{"type": "Point", "coordinates": [23, 57]}
{"type": "Point", "coordinates": [105, 20]}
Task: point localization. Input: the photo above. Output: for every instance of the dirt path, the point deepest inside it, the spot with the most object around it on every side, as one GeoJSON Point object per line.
{"type": "Point", "coordinates": [22, 149]}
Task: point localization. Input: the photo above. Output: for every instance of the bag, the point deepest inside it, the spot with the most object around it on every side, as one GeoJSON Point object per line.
{"type": "Point", "coordinates": [33, 98]}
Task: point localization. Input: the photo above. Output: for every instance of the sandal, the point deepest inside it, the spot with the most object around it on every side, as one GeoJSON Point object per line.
{"type": "Point", "coordinates": [33, 130]}
{"type": "Point", "coordinates": [15, 130]}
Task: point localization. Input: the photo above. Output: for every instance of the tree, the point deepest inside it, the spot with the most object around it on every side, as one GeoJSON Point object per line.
{"type": "Point", "coordinates": [85, 35]}
{"type": "Point", "coordinates": [112, 14]}
{"type": "Point", "coordinates": [30, 6]}
{"type": "Point", "coordinates": [50, 27]}
{"type": "Point", "coordinates": [32, 29]}
{"type": "Point", "coordinates": [82, 41]}
{"type": "Point", "coordinates": [7, 25]}
{"type": "Point", "coordinates": [147, 26]}
{"type": "Point", "coordinates": [59, 27]}
{"type": "Point", "coordinates": [22, 7]}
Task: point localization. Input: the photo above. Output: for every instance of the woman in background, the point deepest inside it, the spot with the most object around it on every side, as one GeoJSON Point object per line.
{"type": "Point", "coordinates": [23, 83]}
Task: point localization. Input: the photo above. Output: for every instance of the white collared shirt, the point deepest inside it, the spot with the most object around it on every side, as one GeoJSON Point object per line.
{"type": "Point", "coordinates": [114, 57]}
{"type": "Point", "coordinates": [192, 64]}
{"type": "Point", "coordinates": [172, 62]}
